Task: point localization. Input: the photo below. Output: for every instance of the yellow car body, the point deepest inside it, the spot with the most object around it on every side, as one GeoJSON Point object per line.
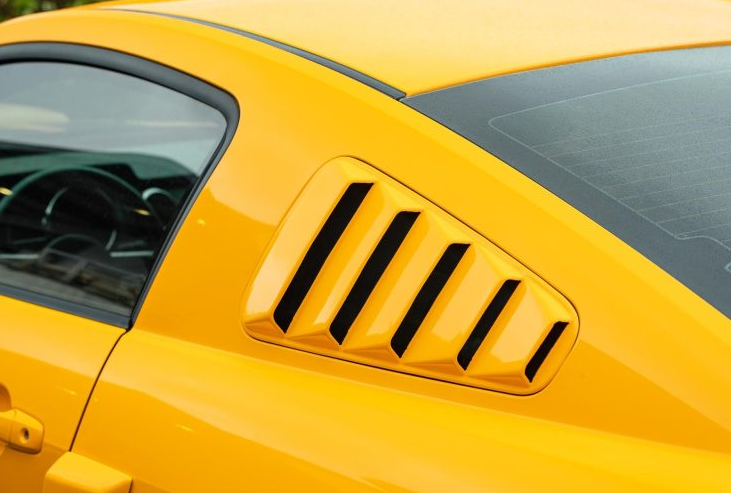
{"type": "Point", "coordinates": [205, 393]}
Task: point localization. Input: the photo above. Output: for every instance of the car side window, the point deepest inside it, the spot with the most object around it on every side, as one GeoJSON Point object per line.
{"type": "Point", "coordinates": [95, 167]}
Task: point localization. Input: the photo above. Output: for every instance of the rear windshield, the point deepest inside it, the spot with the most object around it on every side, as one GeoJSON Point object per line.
{"type": "Point", "coordinates": [640, 143]}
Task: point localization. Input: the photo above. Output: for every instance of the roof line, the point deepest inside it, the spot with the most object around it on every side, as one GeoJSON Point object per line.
{"type": "Point", "coordinates": [372, 82]}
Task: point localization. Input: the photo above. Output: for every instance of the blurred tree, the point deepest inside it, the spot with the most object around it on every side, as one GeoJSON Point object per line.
{"type": "Point", "coordinates": [14, 8]}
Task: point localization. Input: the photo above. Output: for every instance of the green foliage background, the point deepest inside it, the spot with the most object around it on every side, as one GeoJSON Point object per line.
{"type": "Point", "coordinates": [14, 8]}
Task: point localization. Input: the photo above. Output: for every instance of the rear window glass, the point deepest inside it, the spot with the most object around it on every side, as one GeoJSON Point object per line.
{"type": "Point", "coordinates": [663, 150]}
{"type": "Point", "coordinates": [640, 143]}
{"type": "Point", "coordinates": [95, 167]}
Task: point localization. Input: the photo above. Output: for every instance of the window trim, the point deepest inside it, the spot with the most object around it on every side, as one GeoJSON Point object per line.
{"type": "Point", "coordinates": [156, 73]}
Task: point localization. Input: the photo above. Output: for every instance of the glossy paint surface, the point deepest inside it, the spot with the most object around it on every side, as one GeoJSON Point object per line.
{"type": "Point", "coordinates": [73, 473]}
{"type": "Point", "coordinates": [250, 425]}
{"type": "Point", "coordinates": [188, 402]}
{"type": "Point", "coordinates": [49, 362]}
{"type": "Point", "coordinates": [422, 45]}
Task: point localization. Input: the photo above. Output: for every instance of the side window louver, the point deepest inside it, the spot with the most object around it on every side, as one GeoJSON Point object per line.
{"type": "Point", "coordinates": [364, 270]}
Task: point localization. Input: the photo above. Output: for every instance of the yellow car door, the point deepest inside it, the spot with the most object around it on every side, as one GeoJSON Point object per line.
{"type": "Point", "coordinates": [100, 154]}
{"type": "Point", "coordinates": [49, 362]}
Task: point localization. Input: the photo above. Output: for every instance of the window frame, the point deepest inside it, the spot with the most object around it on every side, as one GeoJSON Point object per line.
{"type": "Point", "coordinates": [153, 72]}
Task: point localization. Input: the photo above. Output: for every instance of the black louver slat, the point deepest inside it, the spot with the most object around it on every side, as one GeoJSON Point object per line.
{"type": "Point", "coordinates": [427, 296]}
{"type": "Point", "coordinates": [318, 253]}
{"type": "Point", "coordinates": [543, 350]}
{"type": "Point", "coordinates": [487, 320]}
{"type": "Point", "coordinates": [371, 273]}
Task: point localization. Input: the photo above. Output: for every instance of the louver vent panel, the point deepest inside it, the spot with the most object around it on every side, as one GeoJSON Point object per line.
{"type": "Point", "coordinates": [364, 270]}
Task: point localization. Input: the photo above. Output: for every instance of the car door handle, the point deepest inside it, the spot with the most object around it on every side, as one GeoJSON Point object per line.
{"type": "Point", "coordinates": [74, 473]}
{"type": "Point", "coordinates": [21, 431]}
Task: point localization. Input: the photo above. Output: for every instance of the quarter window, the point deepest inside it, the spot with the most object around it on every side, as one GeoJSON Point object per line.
{"type": "Point", "coordinates": [95, 166]}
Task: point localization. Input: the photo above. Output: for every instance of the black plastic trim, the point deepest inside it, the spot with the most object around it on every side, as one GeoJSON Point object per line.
{"type": "Point", "coordinates": [426, 297]}
{"type": "Point", "coordinates": [372, 271]}
{"type": "Point", "coordinates": [487, 320]}
{"type": "Point", "coordinates": [542, 353]}
{"type": "Point", "coordinates": [155, 73]}
{"type": "Point", "coordinates": [318, 253]}
{"type": "Point", "coordinates": [366, 79]}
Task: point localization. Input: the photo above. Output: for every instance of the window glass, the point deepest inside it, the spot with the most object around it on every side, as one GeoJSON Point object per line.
{"type": "Point", "coordinates": [95, 166]}
{"type": "Point", "coordinates": [662, 150]}
{"type": "Point", "coordinates": [640, 143]}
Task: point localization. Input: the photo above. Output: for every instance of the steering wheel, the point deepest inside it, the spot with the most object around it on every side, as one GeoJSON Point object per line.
{"type": "Point", "coordinates": [79, 201]}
